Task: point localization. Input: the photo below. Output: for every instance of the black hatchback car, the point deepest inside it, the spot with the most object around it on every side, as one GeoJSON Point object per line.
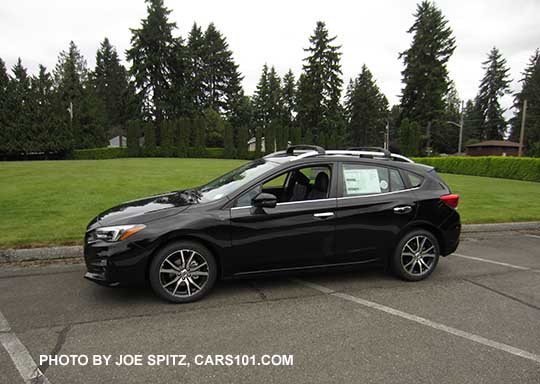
{"type": "Point", "coordinates": [300, 209]}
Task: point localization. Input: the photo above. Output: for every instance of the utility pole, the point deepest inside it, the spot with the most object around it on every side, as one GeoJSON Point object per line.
{"type": "Point", "coordinates": [522, 133]}
{"type": "Point", "coordinates": [387, 134]}
{"type": "Point", "coordinates": [461, 126]}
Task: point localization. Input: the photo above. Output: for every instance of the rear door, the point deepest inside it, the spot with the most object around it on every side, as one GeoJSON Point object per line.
{"type": "Point", "coordinates": [374, 204]}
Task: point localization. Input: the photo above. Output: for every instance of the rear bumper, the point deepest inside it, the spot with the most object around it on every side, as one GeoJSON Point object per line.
{"type": "Point", "coordinates": [451, 231]}
{"type": "Point", "coordinates": [112, 264]}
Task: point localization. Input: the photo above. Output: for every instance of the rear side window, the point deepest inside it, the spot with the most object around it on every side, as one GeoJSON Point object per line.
{"type": "Point", "coordinates": [362, 179]}
{"type": "Point", "coordinates": [414, 179]}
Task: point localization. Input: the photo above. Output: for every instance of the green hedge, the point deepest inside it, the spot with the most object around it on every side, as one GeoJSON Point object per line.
{"type": "Point", "coordinates": [113, 153]}
{"type": "Point", "coordinates": [98, 153]}
{"type": "Point", "coordinates": [519, 168]}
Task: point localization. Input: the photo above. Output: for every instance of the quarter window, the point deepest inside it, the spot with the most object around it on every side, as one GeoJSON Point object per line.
{"type": "Point", "coordinates": [414, 179]}
{"type": "Point", "coordinates": [362, 179]}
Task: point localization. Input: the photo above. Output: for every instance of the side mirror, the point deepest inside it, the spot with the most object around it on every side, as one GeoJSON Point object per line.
{"type": "Point", "coordinates": [264, 200]}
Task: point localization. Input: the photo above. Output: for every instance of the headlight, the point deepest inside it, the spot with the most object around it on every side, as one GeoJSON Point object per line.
{"type": "Point", "coordinates": [117, 232]}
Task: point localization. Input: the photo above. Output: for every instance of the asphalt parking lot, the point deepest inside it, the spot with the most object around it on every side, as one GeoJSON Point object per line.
{"type": "Point", "coordinates": [475, 320]}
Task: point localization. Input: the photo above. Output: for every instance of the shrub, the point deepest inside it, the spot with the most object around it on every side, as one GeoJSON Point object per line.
{"type": "Point", "coordinates": [99, 153]}
{"type": "Point", "coordinates": [149, 148]}
{"type": "Point", "coordinates": [518, 168]}
{"type": "Point", "coordinates": [133, 136]}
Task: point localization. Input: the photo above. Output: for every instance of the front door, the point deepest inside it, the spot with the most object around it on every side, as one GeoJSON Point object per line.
{"type": "Point", "coordinates": [297, 233]}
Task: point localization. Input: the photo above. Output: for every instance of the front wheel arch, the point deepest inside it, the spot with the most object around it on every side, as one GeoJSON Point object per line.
{"type": "Point", "coordinates": [171, 238]}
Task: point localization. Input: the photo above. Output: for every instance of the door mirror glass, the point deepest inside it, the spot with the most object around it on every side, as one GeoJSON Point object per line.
{"type": "Point", "coordinates": [264, 200]}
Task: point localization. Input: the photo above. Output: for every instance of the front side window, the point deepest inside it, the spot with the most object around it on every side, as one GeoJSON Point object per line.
{"type": "Point", "coordinates": [299, 184]}
{"type": "Point", "coordinates": [363, 179]}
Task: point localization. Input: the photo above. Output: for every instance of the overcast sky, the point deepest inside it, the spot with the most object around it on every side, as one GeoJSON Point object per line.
{"type": "Point", "coordinates": [275, 32]}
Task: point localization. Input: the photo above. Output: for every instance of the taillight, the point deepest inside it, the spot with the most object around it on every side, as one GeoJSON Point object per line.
{"type": "Point", "coordinates": [451, 200]}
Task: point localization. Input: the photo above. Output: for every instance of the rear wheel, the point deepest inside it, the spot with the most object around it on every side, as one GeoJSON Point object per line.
{"type": "Point", "coordinates": [416, 255]}
{"type": "Point", "coordinates": [183, 272]}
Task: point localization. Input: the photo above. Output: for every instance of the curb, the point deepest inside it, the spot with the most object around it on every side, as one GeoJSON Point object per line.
{"type": "Point", "coordinates": [46, 253]}
{"type": "Point", "coordinates": [50, 253]}
{"type": "Point", "coordinates": [500, 227]}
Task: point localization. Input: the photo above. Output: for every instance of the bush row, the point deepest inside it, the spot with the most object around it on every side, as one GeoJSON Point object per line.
{"type": "Point", "coordinates": [114, 153]}
{"type": "Point", "coordinates": [519, 168]}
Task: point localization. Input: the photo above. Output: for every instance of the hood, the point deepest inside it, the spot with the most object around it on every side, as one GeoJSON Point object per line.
{"type": "Point", "coordinates": [147, 209]}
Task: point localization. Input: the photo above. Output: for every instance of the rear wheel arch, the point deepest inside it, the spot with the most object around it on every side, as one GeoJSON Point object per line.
{"type": "Point", "coordinates": [425, 226]}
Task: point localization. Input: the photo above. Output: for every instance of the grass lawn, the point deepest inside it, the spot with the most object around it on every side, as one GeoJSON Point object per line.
{"type": "Point", "coordinates": [51, 202]}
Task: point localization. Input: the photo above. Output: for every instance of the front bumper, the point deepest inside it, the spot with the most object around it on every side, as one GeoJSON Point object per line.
{"type": "Point", "coordinates": [112, 264]}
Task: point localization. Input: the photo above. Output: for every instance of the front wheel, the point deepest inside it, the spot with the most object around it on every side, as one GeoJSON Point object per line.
{"type": "Point", "coordinates": [416, 255]}
{"type": "Point", "coordinates": [183, 272]}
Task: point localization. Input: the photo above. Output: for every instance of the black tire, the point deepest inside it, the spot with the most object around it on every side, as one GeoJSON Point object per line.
{"type": "Point", "coordinates": [414, 258]}
{"type": "Point", "coordinates": [169, 269]}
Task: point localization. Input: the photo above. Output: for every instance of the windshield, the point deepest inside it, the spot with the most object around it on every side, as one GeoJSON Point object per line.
{"type": "Point", "coordinates": [229, 182]}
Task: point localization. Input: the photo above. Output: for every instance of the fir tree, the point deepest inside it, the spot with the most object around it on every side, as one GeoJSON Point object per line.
{"type": "Point", "coordinates": [199, 140]}
{"type": "Point", "coordinates": [152, 56]}
{"type": "Point", "coordinates": [215, 128]}
{"type": "Point", "coordinates": [530, 91]}
{"type": "Point", "coordinates": [46, 129]}
{"type": "Point", "coordinates": [196, 70]}
{"type": "Point", "coordinates": [446, 137]}
{"type": "Point", "coordinates": [183, 127]}
{"type": "Point", "coordinates": [261, 114]}
{"type": "Point", "coordinates": [221, 77]}
{"type": "Point", "coordinates": [367, 111]}
{"type": "Point", "coordinates": [133, 137]}
{"type": "Point", "coordinates": [409, 137]}
{"type": "Point", "coordinates": [289, 108]}
{"type": "Point", "coordinates": [425, 76]}
{"type": "Point", "coordinates": [21, 140]}
{"type": "Point", "coordinates": [5, 102]}
{"type": "Point", "coordinates": [493, 86]}
{"type": "Point", "coordinates": [229, 151]}
{"type": "Point", "coordinates": [111, 88]}
{"type": "Point", "coordinates": [319, 91]}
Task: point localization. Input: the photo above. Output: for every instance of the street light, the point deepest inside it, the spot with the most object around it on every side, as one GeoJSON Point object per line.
{"type": "Point", "coordinates": [460, 126]}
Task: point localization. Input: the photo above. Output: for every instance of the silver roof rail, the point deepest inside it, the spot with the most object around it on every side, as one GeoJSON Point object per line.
{"type": "Point", "coordinates": [303, 153]}
{"type": "Point", "coordinates": [369, 153]}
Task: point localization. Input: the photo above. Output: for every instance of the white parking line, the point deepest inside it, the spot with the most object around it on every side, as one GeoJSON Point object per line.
{"type": "Point", "coordinates": [494, 262]}
{"type": "Point", "coordinates": [420, 320]}
{"type": "Point", "coordinates": [20, 356]}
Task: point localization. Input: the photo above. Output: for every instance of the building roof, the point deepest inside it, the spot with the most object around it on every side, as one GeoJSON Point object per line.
{"type": "Point", "coordinates": [495, 143]}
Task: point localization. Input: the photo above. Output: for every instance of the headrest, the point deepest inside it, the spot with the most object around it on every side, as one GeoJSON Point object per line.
{"type": "Point", "coordinates": [321, 182]}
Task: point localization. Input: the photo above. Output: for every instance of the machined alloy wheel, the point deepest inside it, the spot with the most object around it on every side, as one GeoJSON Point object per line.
{"type": "Point", "coordinates": [416, 256]}
{"type": "Point", "coordinates": [183, 272]}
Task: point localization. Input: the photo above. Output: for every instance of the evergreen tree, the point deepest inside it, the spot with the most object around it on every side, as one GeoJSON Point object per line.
{"type": "Point", "coordinates": [199, 140]}
{"type": "Point", "coordinates": [69, 76]}
{"type": "Point", "coordinates": [289, 108]}
{"type": "Point", "coordinates": [149, 149]}
{"type": "Point", "coordinates": [215, 128]}
{"type": "Point", "coordinates": [425, 76]}
{"type": "Point", "coordinates": [261, 110]}
{"type": "Point", "coordinates": [320, 114]}
{"type": "Point", "coordinates": [409, 138]}
{"type": "Point", "coordinates": [471, 124]}
{"type": "Point", "coordinates": [43, 121]}
{"type": "Point", "coordinates": [196, 70]}
{"type": "Point", "coordinates": [530, 91]}
{"type": "Point", "coordinates": [241, 122]}
{"type": "Point", "coordinates": [367, 111]}
{"type": "Point", "coordinates": [5, 103]}
{"type": "Point", "coordinates": [133, 136]}
{"type": "Point", "coordinates": [493, 86]}
{"type": "Point", "coordinates": [152, 55]}
{"type": "Point", "coordinates": [167, 147]}
{"type": "Point", "coordinates": [111, 87]}
{"type": "Point", "coordinates": [394, 121]}
{"type": "Point", "coordinates": [445, 139]}
{"type": "Point", "coordinates": [221, 77]}
{"type": "Point", "coordinates": [20, 113]}
{"type": "Point", "coordinates": [229, 151]}
{"type": "Point", "coordinates": [183, 127]}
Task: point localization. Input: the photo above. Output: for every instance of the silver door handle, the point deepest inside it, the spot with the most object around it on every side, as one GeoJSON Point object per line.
{"type": "Point", "coordinates": [403, 209]}
{"type": "Point", "coordinates": [323, 214]}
